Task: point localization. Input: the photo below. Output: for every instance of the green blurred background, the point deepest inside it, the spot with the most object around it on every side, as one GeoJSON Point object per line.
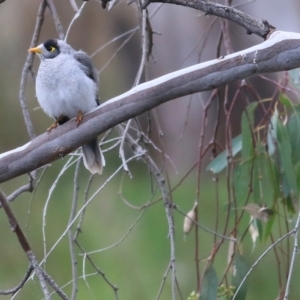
{"type": "Point", "coordinates": [136, 265]}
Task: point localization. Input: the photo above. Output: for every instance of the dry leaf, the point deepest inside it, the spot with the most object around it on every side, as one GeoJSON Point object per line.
{"type": "Point", "coordinates": [258, 212]}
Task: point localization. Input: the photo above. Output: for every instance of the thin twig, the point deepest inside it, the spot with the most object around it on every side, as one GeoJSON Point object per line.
{"type": "Point", "coordinates": [121, 149]}
{"type": "Point", "coordinates": [145, 47]}
{"type": "Point", "coordinates": [70, 233]}
{"type": "Point", "coordinates": [167, 202]}
{"type": "Point", "coordinates": [25, 188]}
{"type": "Point", "coordinates": [58, 25]}
{"type": "Point", "coordinates": [163, 282]}
{"type": "Point", "coordinates": [117, 51]}
{"type": "Point", "coordinates": [74, 5]}
{"type": "Point", "coordinates": [137, 80]}
{"type": "Point", "coordinates": [86, 192]}
{"type": "Point", "coordinates": [62, 171]}
{"type": "Point", "coordinates": [20, 285]}
{"type": "Point", "coordinates": [260, 258]}
{"type": "Point", "coordinates": [33, 193]}
{"type": "Point", "coordinates": [28, 67]}
{"type": "Point", "coordinates": [117, 243]}
{"type": "Point", "coordinates": [114, 288]}
{"type": "Point", "coordinates": [15, 227]}
{"type": "Point", "coordinates": [55, 287]}
{"type": "Point", "coordinates": [39, 274]}
{"type": "Point", "coordinates": [85, 205]}
{"type": "Point", "coordinates": [114, 40]}
{"type": "Point", "coordinates": [261, 29]}
{"type": "Point", "coordinates": [295, 252]}
{"type": "Point", "coordinates": [204, 228]}
{"type": "Point", "coordinates": [78, 13]}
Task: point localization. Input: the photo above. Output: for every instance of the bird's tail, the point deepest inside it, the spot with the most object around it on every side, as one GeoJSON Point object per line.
{"type": "Point", "coordinates": [93, 158]}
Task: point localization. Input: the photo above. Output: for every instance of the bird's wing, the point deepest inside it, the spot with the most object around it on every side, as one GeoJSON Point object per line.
{"type": "Point", "coordinates": [86, 64]}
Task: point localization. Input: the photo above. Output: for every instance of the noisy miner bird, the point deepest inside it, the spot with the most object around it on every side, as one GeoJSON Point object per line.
{"type": "Point", "coordinates": [67, 87]}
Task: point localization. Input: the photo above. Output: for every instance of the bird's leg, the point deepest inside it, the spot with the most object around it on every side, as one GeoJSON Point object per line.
{"type": "Point", "coordinates": [54, 125]}
{"type": "Point", "coordinates": [58, 121]}
{"type": "Point", "coordinates": [79, 118]}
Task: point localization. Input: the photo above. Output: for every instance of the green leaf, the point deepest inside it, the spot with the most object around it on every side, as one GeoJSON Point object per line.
{"type": "Point", "coordinates": [241, 181]}
{"type": "Point", "coordinates": [247, 131]}
{"type": "Point", "coordinates": [272, 173]}
{"type": "Point", "coordinates": [285, 153]}
{"type": "Point", "coordinates": [209, 288]}
{"type": "Point", "coordinates": [285, 100]}
{"type": "Point", "coordinates": [265, 180]}
{"type": "Point", "coordinates": [297, 170]}
{"type": "Point", "coordinates": [293, 128]}
{"type": "Point", "coordinates": [219, 163]}
{"type": "Point", "coordinates": [288, 201]}
{"type": "Point", "coordinates": [257, 179]}
{"type": "Point", "coordinates": [240, 270]}
{"type": "Point", "coordinates": [269, 226]}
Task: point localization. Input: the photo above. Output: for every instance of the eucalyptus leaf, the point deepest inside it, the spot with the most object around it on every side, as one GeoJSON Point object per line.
{"type": "Point", "coordinates": [209, 288]}
{"type": "Point", "coordinates": [285, 100]}
{"type": "Point", "coordinates": [247, 130]}
{"type": "Point", "coordinates": [269, 226]}
{"type": "Point", "coordinates": [293, 128]}
{"type": "Point", "coordinates": [285, 153]}
{"type": "Point", "coordinates": [241, 181]}
{"type": "Point", "coordinates": [219, 163]}
{"type": "Point", "coordinates": [258, 212]}
{"type": "Point", "coordinates": [240, 269]}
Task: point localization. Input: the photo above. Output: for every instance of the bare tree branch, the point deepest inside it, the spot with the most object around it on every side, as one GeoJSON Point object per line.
{"type": "Point", "coordinates": [15, 227]}
{"type": "Point", "coordinates": [74, 5]}
{"type": "Point", "coordinates": [280, 52]}
{"type": "Point", "coordinates": [262, 29]}
{"type": "Point", "coordinates": [25, 188]}
{"type": "Point", "coordinates": [27, 68]}
{"type": "Point", "coordinates": [43, 277]}
{"type": "Point", "coordinates": [295, 252]}
{"type": "Point", "coordinates": [56, 19]}
{"type": "Point", "coordinates": [20, 285]}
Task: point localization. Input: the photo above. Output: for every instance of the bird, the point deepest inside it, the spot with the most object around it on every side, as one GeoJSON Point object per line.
{"type": "Point", "coordinates": [67, 87]}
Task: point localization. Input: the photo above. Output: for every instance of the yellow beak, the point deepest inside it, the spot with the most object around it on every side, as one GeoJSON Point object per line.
{"type": "Point", "coordinates": [35, 50]}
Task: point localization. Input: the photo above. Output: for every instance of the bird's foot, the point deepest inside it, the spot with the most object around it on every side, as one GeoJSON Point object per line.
{"type": "Point", "coordinates": [58, 121]}
{"type": "Point", "coordinates": [54, 125]}
{"type": "Point", "coordinates": [79, 118]}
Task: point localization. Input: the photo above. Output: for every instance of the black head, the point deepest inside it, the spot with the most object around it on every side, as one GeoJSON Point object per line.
{"type": "Point", "coordinates": [51, 48]}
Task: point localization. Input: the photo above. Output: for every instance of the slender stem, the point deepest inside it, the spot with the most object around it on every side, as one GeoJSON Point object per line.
{"type": "Point", "coordinates": [15, 227]}
{"type": "Point", "coordinates": [28, 68]}
{"type": "Point", "coordinates": [260, 258]}
{"type": "Point", "coordinates": [70, 232]}
{"type": "Point", "coordinates": [295, 252]}
{"type": "Point", "coordinates": [58, 25]}
{"type": "Point", "coordinates": [20, 285]}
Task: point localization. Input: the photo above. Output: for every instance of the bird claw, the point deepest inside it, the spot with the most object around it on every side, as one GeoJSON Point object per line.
{"type": "Point", "coordinates": [54, 125]}
{"type": "Point", "coordinates": [79, 118]}
{"type": "Point", "coordinates": [63, 119]}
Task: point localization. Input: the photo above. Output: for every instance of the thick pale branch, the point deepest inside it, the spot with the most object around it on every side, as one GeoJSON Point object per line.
{"type": "Point", "coordinates": [280, 52]}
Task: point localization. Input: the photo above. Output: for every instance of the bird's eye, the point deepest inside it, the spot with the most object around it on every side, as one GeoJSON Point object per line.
{"type": "Point", "coordinates": [50, 48]}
